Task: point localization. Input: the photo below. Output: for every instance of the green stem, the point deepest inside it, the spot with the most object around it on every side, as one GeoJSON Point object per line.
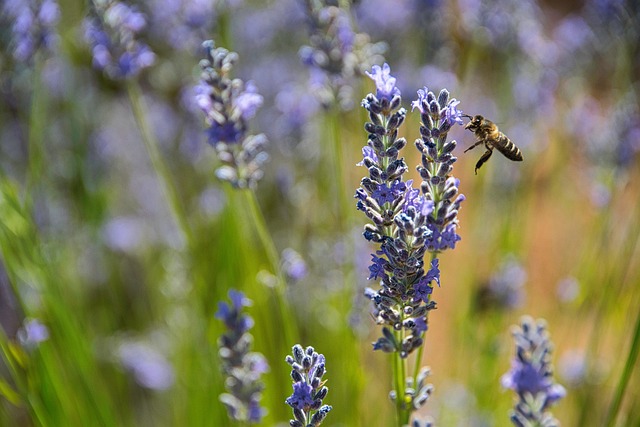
{"type": "Point", "coordinates": [263, 234]}
{"type": "Point", "coordinates": [36, 131]}
{"type": "Point", "coordinates": [399, 375]}
{"type": "Point", "coordinates": [624, 378]}
{"type": "Point", "coordinates": [151, 144]}
{"type": "Point", "coordinates": [338, 168]}
{"type": "Point", "coordinates": [397, 385]}
{"type": "Point", "coordinates": [274, 260]}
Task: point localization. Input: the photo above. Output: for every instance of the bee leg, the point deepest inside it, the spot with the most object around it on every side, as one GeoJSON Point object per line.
{"type": "Point", "coordinates": [474, 145]}
{"type": "Point", "coordinates": [484, 158]}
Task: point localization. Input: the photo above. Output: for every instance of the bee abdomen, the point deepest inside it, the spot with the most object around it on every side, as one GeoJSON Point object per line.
{"type": "Point", "coordinates": [508, 148]}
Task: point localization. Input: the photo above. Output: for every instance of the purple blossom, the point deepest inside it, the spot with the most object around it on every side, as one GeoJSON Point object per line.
{"type": "Point", "coordinates": [227, 105]}
{"type": "Point", "coordinates": [424, 288]}
{"type": "Point", "coordinates": [530, 375]}
{"type": "Point", "coordinates": [183, 24]}
{"type": "Point", "coordinates": [149, 367]}
{"type": "Point", "coordinates": [434, 272]}
{"type": "Point", "coordinates": [413, 198]}
{"type": "Point", "coordinates": [307, 369]}
{"type": "Point", "coordinates": [422, 100]}
{"type": "Point", "coordinates": [231, 314]}
{"type": "Point", "coordinates": [451, 114]}
{"type": "Point", "coordinates": [301, 397]}
{"type": "Point", "coordinates": [32, 333]}
{"type": "Point", "coordinates": [421, 323]}
{"type": "Point", "coordinates": [293, 265]}
{"type": "Point", "coordinates": [33, 26]}
{"type": "Point", "coordinates": [376, 269]}
{"type": "Point", "coordinates": [248, 101]}
{"type": "Point", "coordinates": [112, 34]}
{"type": "Point", "coordinates": [242, 367]}
{"type": "Point", "coordinates": [368, 153]}
{"type": "Point", "coordinates": [385, 82]}
{"type": "Point", "coordinates": [336, 54]}
{"type": "Point", "coordinates": [387, 193]}
{"type": "Point", "coordinates": [399, 216]}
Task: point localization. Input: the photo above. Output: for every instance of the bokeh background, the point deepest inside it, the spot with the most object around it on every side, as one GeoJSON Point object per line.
{"type": "Point", "coordinates": [91, 249]}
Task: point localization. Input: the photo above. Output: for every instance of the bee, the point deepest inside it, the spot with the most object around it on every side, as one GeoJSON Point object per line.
{"type": "Point", "coordinates": [487, 133]}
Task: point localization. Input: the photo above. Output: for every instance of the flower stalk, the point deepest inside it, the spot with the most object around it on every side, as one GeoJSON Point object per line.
{"type": "Point", "coordinates": [407, 223]}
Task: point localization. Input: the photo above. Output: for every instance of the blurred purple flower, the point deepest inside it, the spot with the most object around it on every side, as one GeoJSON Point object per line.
{"type": "Point", "coordinates": [531, 374]}
{"type": "Point", "coordinates": [112, 33]}
{"type": "Point", "coordinates": [336, 54]}
{"type": "Point", "coordinates": [32, 333]}
{"type": "Point", "coordinates": [33, 26]}
{"type": "Point", "coordinates": [293, 265]}
{"type": "Point", "coordinates": [149, 367]}
{"type": "Point", "coordinates": [227, 105]}
{"type": "Point", "coordinates": [183, 23]}
{"type": "Point", "coordinates": [242, 367]}
{"type": "Point", "coordinates": [568, 289]}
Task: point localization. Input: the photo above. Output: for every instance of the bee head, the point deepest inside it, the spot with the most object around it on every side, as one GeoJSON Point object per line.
{"type": "Point", "coordinates": [475, 122]}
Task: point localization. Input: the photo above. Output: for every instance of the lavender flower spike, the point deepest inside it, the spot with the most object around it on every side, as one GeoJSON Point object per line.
{"type": "Point", "coordinates": [398, 215]}
{"type": "Point", "coordinates": [336, 54]}
{"type": "Point", "coordinates": [113, 34]}
{"type": "Point", "coordinates": [228, 105]}
{"type": "Point", "coordinates": [309, 390]}
{"type": "Point", "coordinates": [438, 185]}
{"type": "Point", "coordinates": [242, 367]}
{"type": "Point", "coordinates": [531, 376]}
{"type": "Point", "coordinates": [33, 26]}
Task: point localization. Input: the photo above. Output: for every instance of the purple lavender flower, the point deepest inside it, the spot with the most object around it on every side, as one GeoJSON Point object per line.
{"type": "Point", "coordinates": [309, 390]}
{"type": "Point", "coordinates": [385, 83]}
{"type": "Point", "coordinates": [531, 375]}
{"type": "Point", "coordinates": [398, 214]}
{"type": "Point", "coordinates": [438, 116]}
{"type": "Point", "coordinates": [112, 33]}
{"type": "Point", "coordinates": [32, 333]}
{"type": "Point", "coordinates": [182, 23]}
{"type": "Point", "coordinates": [243, 368]}
{"type": "Point", "coordinates": [293, 265]}
{"type": "Point", "coordinates": [227, 105]}
{"type": "Point", "coordinates": [407, 222]}
{"type": "Point", "coordinates": [149, 367]}
{"type": "Point", "coordinates": [33, 26]}
{"type": "Point", "coordinates": [335, 53]}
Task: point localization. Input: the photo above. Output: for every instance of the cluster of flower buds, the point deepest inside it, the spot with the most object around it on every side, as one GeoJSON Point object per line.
{"type": "Point", "coordinates": [112, 31]}
{"type": "Point", "coordinates": [531, 375]}
{"type": "Point", "coordinates": [242, 367]}
{"type": "Point", "coordinates": [336, 53]}
{"type": "Point", "coordinates": [32, 26]}
{"type": "Point", "coordinates": [228, 104]}
{"type": "Point", "coordinates": [308, 387]}
{"type": "Point", "coordinates": [439, 186]}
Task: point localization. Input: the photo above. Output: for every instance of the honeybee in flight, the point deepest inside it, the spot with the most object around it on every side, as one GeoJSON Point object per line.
{"type": "Point", "coordinates": [487, 133]}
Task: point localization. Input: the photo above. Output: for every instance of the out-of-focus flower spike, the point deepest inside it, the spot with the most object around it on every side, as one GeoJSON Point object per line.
{"type": "Point", "coordinates": [531, 375]}
{"type": "Point", "coordinates": [242, 367]}
{"type": "Point", "coordinates": [227, 105]}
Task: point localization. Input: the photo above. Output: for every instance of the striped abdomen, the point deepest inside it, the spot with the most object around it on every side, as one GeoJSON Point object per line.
{"type": "Point", "coordinates": [506, 147]}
